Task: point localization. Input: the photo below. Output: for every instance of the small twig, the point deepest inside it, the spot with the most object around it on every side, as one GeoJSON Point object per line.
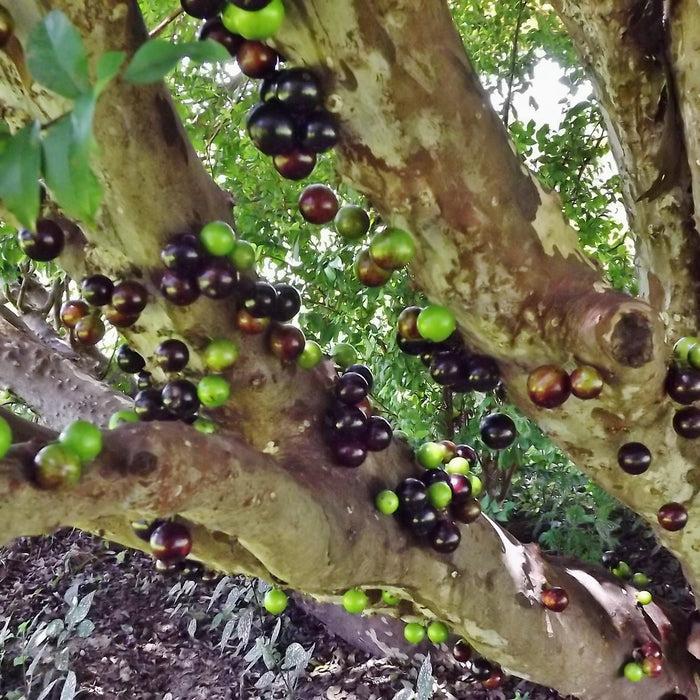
{"type": "Point", "coordinates": [513, 60]}
{"type": "Point", "coordinates": [54, 297]}
{"type": "Point", "coordinates": [165, 23]}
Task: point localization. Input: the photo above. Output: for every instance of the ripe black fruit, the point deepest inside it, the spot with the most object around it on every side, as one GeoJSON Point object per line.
{"type": "Point", "coordinates": [379, 433]}
{"type": "Point", "coordinates": [423, 521]}
{"type": "Point", "coordinates": [214, 29]}
{"type": "Point", "coordinates": [97, 290]}
{"type": "Point", "coordinates": [148, 405]}
{"type": "Point", "coordinates": [686, 422]}
{"type": "Point", "coordinates": [498, 431]}
{"type": "Point", "coordinates": [202, 9]}
{"type": "Point", "coordinates": [348, 454]}
{"type": "Point", "coordinates": [180, 398]}
{"type": "Point", "coordinates": [217, 279]}
{"type": "Point", "coordinates": [184, 253]}
{"type": "Point", "coordinates": [271, 128]}
{"type": "Point", "coordinates": [128, 360]}
{"type": "Point", "coordinates": [170, 542]}
{"type": "Point", "coordinates": [255, 59]}
{"type": "Point", "coordinates": [351, 388]}
{"type": "Point", "coordinates": [363, 370]}
{"type": "Point", "coordinates": [634, 457]}
{"type": "Point", "coordinates": [298, 89]}
{"type": "Point", "coordinates": [683, 384]}
{"type": "Point", "coordinates": [287, 302]}
{"type": "Point", "coordinates": [172, 355]}
{"type": "Point", "coordinates": [129, 297]}
{"type": "Point", "coordinates": [261, 301]}
{"type": "Point", "coordinates": [343, 422]}
{"type": "Point", "coordinates": [318, 132]}
{"type": "Point", "coordinates": [445, 536]}
{"type": "Point", "coordinates": [178, 288]}
{"type": "Point", "coordinates": [43, 244]}
{"type": "Point", "coordinates": [412, 494]}
{"type": "Point", "coordinates": [250, 4]}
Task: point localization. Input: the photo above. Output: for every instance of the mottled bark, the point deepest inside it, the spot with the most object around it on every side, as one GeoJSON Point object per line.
{"type": "Point", "coordinates": [262, 496]}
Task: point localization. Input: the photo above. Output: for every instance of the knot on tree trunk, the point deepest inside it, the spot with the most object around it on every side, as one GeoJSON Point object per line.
{"type": "Point", "coordinates": [632, 339]}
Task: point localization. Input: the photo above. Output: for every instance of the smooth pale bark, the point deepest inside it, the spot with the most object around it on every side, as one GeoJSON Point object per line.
{"type": "Point", "coordinates": [262, 496]}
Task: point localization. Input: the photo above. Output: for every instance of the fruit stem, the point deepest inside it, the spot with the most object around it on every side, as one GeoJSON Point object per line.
{"type": "Point", "coordinates": [168, 20]}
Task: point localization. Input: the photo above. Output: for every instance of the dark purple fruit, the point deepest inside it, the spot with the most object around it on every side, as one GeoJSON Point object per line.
{"type": "Point", "coordinates": [461, 651]}
{"type": "Point", "coordinates": [480, 668]}
{"type": "Point", "coordinates": [184, 253]}
{"type": "Point", "coordinates": [430, 476]}
{"type": "Point", "coordinates": [348, 454]}
{"type": "Point", "coordinates": [287, 302]}
{"type": "Point", "coordinates": [172, 355]}
{"type": "Point", "coordinates": [610, 559]}
{"type": "Point", "coordinates": [672, 516]}
{"type": "Point", "coordinates": [72, 311]}
{"type": "Point", "coordinates": [218, 279]}
{"type": "Point", "coordinates": [343, 422]}
{"type": "Point", "coordinates": [445, 536]}
{"type": "Point", "coordinates": [129, 297]}
{"type": "Point", "coordinates": [686, 422]}
{"type": "Point", "coordinates": [363, 370]}
{"type": "Point", "coordinates": [261, 301]}
{"type": "Point", "coordinates": [89, 330]}
{"type": "Point", "coordinates": [423, 521]}
{"type": "Point", "coordinates": [298, 89]}
{"type": "Point", "coordinates": [43, 244]}
{"type": "Point", "coordinates": [271, 128]}
{"type": "Point", "coordinates": [412, 494]}
{"type": "Point", "coordinates": [118, 319]}
{"type": "Point", "coordinates": [466, 511]}
{"type": "Point", "coordinates": [318, 203]}
{"type": "Point", "coordinates": [379, 433]}
{"type": "Point", "coordinates": [683, 384]}
{"type": "Point", "coordinates": [461, 488]}
{"type": "Point", "coordinates": [144, 380]}
{"type": "Point", "coordinates": [318, 132]}
{"type": "Point", "coordinates": [467, 452]}
{"type": "Point", "coordinates": [479, 373]}
{"type": "Point", "coordinates": [178, 288]}
{"type": "Point", "coordinates": [351, 388]}
{"type": "Point", "coordinates": [180, 397]}
{"type": "Point", "coordinates": [445, 368]}
{"type": "Point", "coordinates": [295, 165]}
{"type": "Point", "coordinates": [128, 360]}
{"type": "Point", "coordinates": [255, 59]}
{"type": "Point", "coordinates": [498, 431]}
{"type": "Point", "coordinates": [413, 347]}
{"type": "Point", "coordinates": [286, 341]}
{"type": "Point", "coordinates": [214, 29]}
{"type": "Point", "coordinates": [170, 542]}
{"type": "Point", "coordinates": [148, 404]}
{"type": "Point", "coordinates": [202, 9]}
{"type": "Point", "coordinates": [97, 290]}
{"type": "Point", "coordinates": [548, 386]}
{"type": "Point", "coordinates": [634, 458]}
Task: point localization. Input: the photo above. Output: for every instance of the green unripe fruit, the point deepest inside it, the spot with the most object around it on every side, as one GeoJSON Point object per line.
{"type": "Point", "coordinates": [275, 601]}
{"type": "Point", "coordinates": [640, 579]}
{"type": "Point", "coordinates": [414, 633]}
{"type": "Point", "coordinates": [243, 255]}
{"type": "Point", "coordinates": [344, 355]}
{"type": "Point", "coordinates": [438, 632]}
{"type": "Point", "coordinates": [5, 437]}
{"type": "Point", "coordinates": [477, 486]}
{"type": "Point", "coordinates": [355, 600]}
{"type": "Point", "coordinates": [387, 502]}
{"type": "Point", "coordinates": [220, 354]}
{"type": "Point", "coordinates": [213, 391]}
{"type": "Point", "coordinates": [682, 347]}
{"type": "Point", "coordinates": [351, 222]}
{"type": "Point", "coordinates": [205, 426]}
{"type": "Point", "coordinates": [694, 356]}
{"type": "Point", "coordinates": [633, 672]}
{"type": "Point", "coordinates": [218, 238]}
{"type": "Point", "coordinates": [457, 465]}
{"type": "Point", "coordinates": [436, 323]}
{"type": "Point", "coordinates": [643, 597]}
{"type": "Point", "coordinates": [310, 356]}
{"type": "Point", "coordinates": [622, 570]}
{"type": "Point", "coordinates": [83, 439]}
{"type": "Point", "coordinates": [390, 598]}
{"type": "Point", "coordinates": [254, 24]}
{"type": "Point", "coordinates": [56, 466]}
{"type": "Point", "coordinates": [430, 455]}
{"type": "Point", "coordinates": [121, 417]}
{"type": "Point", "coordinates": [392, 248]}
{"type": "Point", "coordinates": [439, 494]}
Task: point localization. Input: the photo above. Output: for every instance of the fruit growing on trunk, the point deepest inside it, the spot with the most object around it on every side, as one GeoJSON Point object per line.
{"type": "Point", "coordinates": [44, 243]}
{"type": "Point", "coordinates": [548, 386]}
{"type": "Point", "coordinates": [672, 516]}
{"type": "Point", "coordinates": [392, 248]}
{"type": "Point", "coordinates": [170, 542]}
{"type": "Point", "coordinates": [555, 599]}
{"type": "Point", "coordinates": [318, 204]}
{"type": "Point", "coordinates": [634, 457]}
{"type": "Point", "coordinates": [56, 466]}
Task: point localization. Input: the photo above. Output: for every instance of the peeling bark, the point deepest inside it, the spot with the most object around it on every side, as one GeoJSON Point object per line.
{"type": "Point", "coordinates": [262, 497]}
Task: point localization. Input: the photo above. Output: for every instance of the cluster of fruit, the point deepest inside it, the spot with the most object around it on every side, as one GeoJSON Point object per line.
{"type": "Point", "coordinates": [61, 463]}
{"type": "Point", "coordinates": [429, 333]}
{"type": "Point", "coordinates": [349, 428]}
{"type": "Point", "coordinates": [444, 492]}
{"type": "Point", "coordinates": [683, 386]}
{"type": "Point", "coordinates": [170, 541]}
{"type": "Point", "coordinates": [550, 386]}
{"type": "Point", "coordinates": [489, 674]}
{"type": "Point", "coordinates": [647, 661]}
{"type": "Point", "coordinates": [621, 569]}
{"type": "Point", "coordinates": [121, 304]}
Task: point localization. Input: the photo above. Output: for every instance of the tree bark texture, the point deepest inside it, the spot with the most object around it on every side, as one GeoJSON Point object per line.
{"type": "Point", "coordinates": [420, 139]}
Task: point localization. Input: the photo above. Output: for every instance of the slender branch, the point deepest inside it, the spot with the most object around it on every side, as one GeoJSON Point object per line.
{"type": "Point", "coordinates": [165, 23]}
{"type": "Point", "coordinates": [505, 117]}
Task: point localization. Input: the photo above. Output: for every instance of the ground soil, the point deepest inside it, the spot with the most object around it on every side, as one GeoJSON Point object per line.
{"type": "Point", "coordinates": [183, 635]}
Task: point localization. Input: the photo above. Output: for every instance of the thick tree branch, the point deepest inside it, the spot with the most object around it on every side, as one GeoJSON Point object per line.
{"type": "Point", "coordinates": [313, 527]}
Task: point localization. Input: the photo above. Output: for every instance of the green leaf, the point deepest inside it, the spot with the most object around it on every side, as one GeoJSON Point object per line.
{"type": "Point", "coordinates": [156, 58]}
{"type": "Point", "coordinates": [56, 56]}
{"type": "Point", "coordinates": [108, 66]}
{"type": "Point", "coordinates": [67, 147]}
{"type": "Point", "coordinates": [20, 164]}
